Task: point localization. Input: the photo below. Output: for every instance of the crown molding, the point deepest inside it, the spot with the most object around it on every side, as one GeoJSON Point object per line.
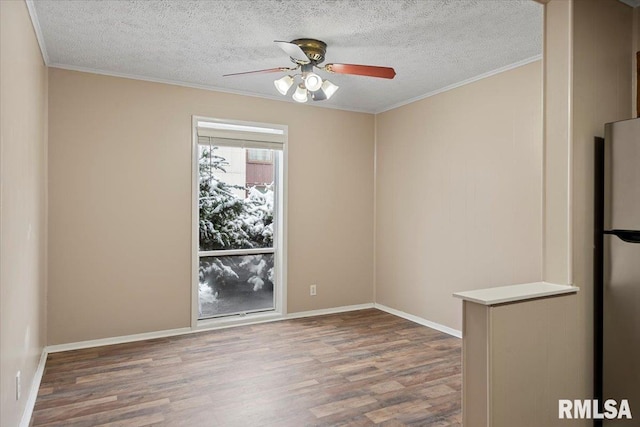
{"type": "Point", "coordinates": [464, 82]}
{"type": "Point", "coordinates": [31, 7]}
{"type": "Point", "coordinates": [200, 86]}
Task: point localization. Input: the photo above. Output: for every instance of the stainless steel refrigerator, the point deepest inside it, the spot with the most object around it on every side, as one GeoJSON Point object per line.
{"type": "Point", "coordinates": [617, 267]}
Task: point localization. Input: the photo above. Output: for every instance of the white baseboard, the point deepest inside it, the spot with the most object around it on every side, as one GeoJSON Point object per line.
{"type": "Point", "coordinates": [334, 310]}
{"type": "Point", "coordinates": [223, 323]}
{"type": "Point", "coordinates": [237, 322]}
{"type": "Point", "coordinates": [419, 320]}
{"type": "Point", "coordinates": [33, 391]}
{"type": "Point", "coordinates": [182, 331]}
{"type": "Point", "coordinates": [233, 321]}
{"type": "Point", "coordinates": [117, 340]}
{"type": "Point", "coordinates": [206, 327]}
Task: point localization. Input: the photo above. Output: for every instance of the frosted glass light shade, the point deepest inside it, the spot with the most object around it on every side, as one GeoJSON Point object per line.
{"type": "Point", "coordinates": [329, 88]}
{"type": "Point", "coordinates": [300, 95]}
{"type": "Point", "coordinates": [283, 84]}
{"type": "Point", "coordinates": [313, 82]}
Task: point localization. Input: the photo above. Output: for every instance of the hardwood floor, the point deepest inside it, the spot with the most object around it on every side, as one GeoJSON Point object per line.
{"type": "Point", "coordinates": [354, 369]}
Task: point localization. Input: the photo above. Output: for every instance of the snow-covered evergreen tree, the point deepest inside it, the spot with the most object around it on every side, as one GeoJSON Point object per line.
{"type": "Point", "coordinates": [258, 217]}
{"type": "Point", "coordinates": [227, 221]}
{"type": "Point", "coordinates": [221, 212]}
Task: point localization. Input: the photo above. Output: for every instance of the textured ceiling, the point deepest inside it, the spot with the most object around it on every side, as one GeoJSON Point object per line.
{"type": "Point", "coordinates": [432, 44]}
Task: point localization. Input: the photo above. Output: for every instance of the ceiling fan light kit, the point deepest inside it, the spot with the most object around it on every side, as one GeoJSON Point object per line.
{"type": "Point", "coordinates": [312, 82]}
{"type": "Point", "coordinates": [329, 88]}
{"type": "Point", "coordinates": [300, 95]}
{"type": "Point", "coordinates": [307, 54]}
{"type": "Point", "coordinates": [283, 84]}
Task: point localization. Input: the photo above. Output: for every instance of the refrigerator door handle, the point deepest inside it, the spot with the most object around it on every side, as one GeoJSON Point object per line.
{"type": "Point", "coordinates": [629, 236]}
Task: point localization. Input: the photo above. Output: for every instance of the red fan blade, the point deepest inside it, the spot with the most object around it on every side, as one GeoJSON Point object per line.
{"type": "Point", "coordinates": [268, 70]}
{"type": "Point", "coordinates": [362, 70]}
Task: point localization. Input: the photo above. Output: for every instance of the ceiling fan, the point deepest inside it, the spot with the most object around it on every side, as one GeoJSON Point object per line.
{"type": "Point", "coordinates": [307, 54]}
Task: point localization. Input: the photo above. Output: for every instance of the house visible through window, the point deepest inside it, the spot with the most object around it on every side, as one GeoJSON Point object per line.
{"type": "Point", "coordinates": [259, 171]}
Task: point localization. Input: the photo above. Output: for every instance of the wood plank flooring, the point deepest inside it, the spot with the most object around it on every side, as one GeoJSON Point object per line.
{"type": "Point", "coordinates": [359, 368]}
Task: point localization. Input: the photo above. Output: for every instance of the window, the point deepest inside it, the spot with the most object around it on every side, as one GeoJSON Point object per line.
{"type": "Point", "coordinates": [238, 178]}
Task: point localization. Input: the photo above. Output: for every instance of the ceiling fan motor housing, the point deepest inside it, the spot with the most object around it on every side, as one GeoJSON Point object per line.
{"type": "Point", "coordinates": [314, 49]}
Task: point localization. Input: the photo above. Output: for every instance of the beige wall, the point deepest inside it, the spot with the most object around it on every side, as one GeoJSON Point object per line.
{"type": "Point", "coordinates": [23, 145]}
{"type": "Point", "coordinates": [556, 254]}
{"type": "Point", "coordinates": [601, 93]}
{"type": "Point", "coordinates": [120, 202]}
{"type": "Point", "coordinates": [568, 375]}
{"type": "Point", "coordinates": [459, 194]}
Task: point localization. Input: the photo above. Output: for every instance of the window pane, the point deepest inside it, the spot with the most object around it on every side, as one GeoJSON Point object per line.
{"type": "Point", "coordinates": [235, 200]}
{"type": "Point", "coordinates": [235, 284]}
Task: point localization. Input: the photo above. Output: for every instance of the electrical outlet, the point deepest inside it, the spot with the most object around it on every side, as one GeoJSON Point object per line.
{"type": "Point", "coordinates": [312, 290]}
{"type": "Point", "coordinates": [18, 386]}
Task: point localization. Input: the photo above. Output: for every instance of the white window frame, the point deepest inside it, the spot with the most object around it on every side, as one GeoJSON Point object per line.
{"type": "Point", "coordinates": [272, 132]}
